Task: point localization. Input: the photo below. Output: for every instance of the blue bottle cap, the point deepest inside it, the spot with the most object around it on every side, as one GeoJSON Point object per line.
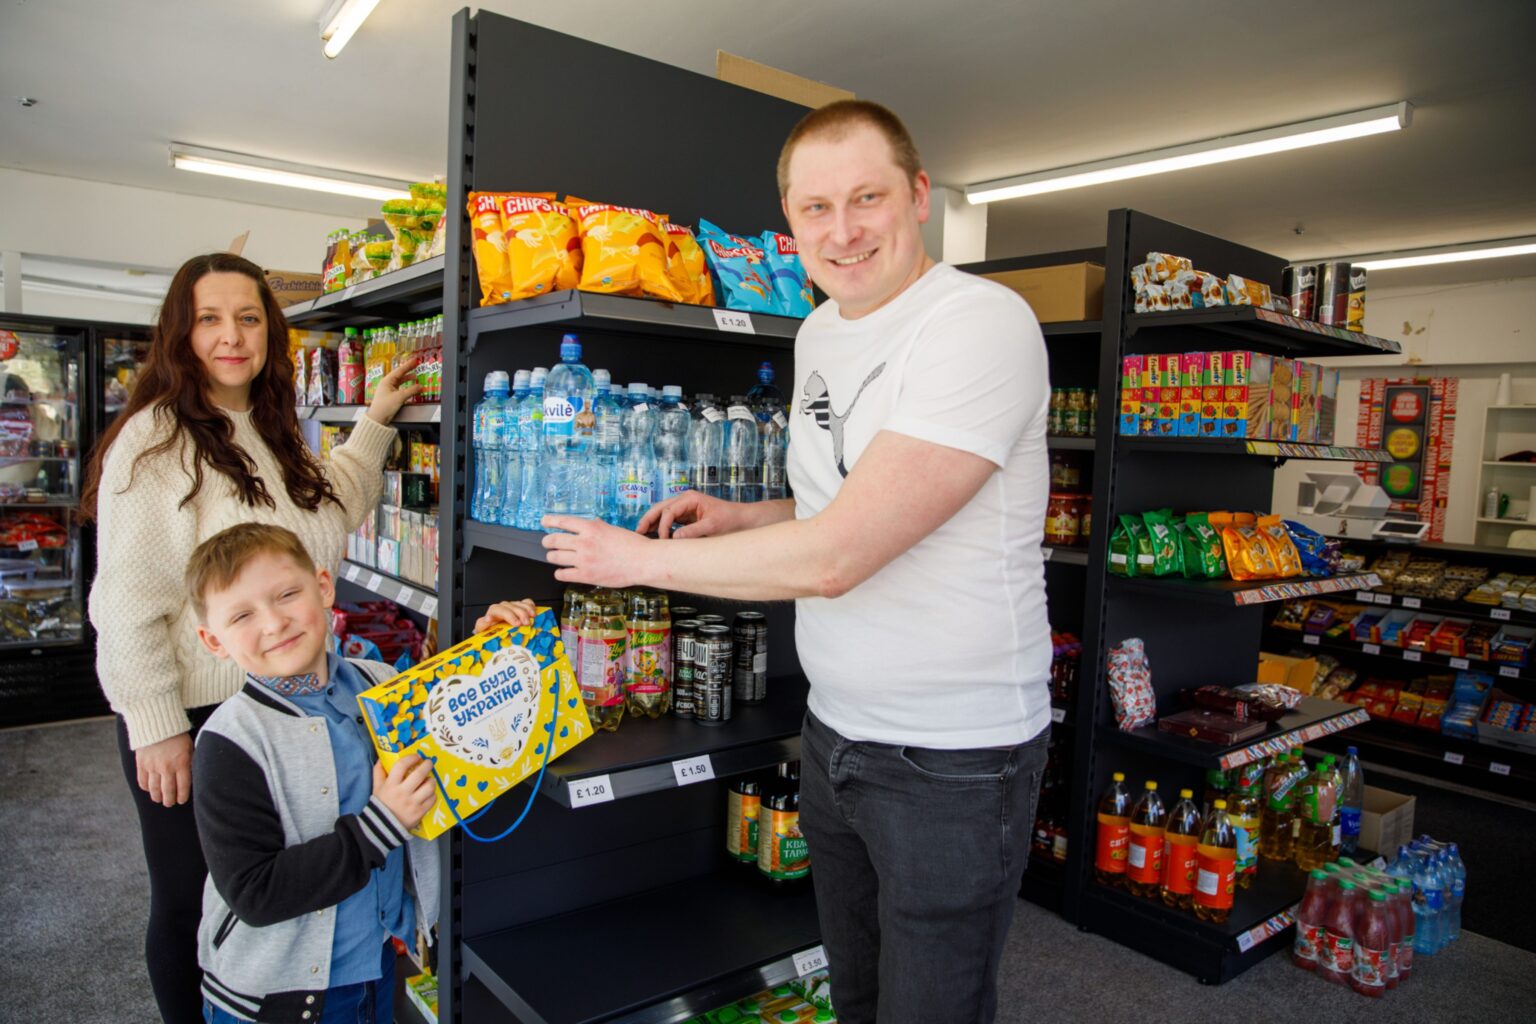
{"type": "Point", "coordinates": [765, 373]}
{"type": "Point", "coordinates": [570, 349]}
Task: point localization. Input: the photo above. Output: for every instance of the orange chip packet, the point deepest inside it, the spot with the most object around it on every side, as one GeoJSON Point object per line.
{"type": "Point", "coordinates": [490, 246]}
{"type": "Point", "coordinates": [1248, 556]}
{"type": "Point", "coordinates": [1281, 547]}
{"type": "Point", "coordinates": [686, 267]}
{"type": "Point", "coordinates": [543, 246]}
{"type": "Point", "coordinates": [622, 251]}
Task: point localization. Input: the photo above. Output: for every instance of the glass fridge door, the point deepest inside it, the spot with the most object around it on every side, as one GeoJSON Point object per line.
{"type": "Point", "coordinates": [122, 356]}
{"type": "Point", "coordinates": [40, 552]}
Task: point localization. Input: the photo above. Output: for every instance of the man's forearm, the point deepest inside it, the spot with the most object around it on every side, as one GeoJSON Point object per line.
{"type": "Point", "coordinates": [779, 561]}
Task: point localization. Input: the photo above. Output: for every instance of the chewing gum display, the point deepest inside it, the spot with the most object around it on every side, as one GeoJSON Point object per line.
{"type": "Point", "coordinates": [739, 269]}
{"type": "Point", "coordinates": [543, 247]}
{"type": "Point", "coordinates": [790, 285]}
{"type": "Point", "coordinates": [483, 712]}
{"type": "Point", "coordinates": [622, 250]}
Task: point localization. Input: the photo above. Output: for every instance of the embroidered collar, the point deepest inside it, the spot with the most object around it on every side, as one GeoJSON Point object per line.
{"type": "Point", "coordinates": [306, 685]}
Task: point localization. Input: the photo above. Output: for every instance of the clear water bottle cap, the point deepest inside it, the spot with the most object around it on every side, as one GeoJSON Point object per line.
{"type": "Point", "coordinates": [672, 391]}
{"type": "Point", "coordinates": [496, 380]}
{"type": "Point", "coordinates": [570, 349]}
{"type": "Point", "coordinates": [602, 378]}
{"type": "Point", "coordinates": [520, 379]}
{"type": "Point", "coordinates": [765, 373]}
{"type": "Point", "coordinates": [638, 390]}
{"type": "Point", "coordinates": [539, 374]}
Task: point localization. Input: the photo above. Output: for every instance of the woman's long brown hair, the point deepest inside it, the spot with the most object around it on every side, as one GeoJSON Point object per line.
{"type": "Point", "coordinates": [174, 382]}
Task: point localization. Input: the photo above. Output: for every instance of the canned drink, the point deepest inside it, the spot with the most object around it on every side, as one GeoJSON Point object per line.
{"type": "Point", "coordinates": [712, 675]}
{"type": "Point", "coordinates": [750, 677]}
{"type": "Point", "coordinates": [685, 633]}
{"type": "Point", "coordinates": [709, 620]}
{"type": "Point", "coordinates": [1333, 294]}
{"type": "Point", "coordinates": [683, 611]}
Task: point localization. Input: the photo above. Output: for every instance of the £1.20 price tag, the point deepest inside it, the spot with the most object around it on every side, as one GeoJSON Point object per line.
{"type": "Point", "coordinates": [693, 769]}
{"type": "Point", "coordinates": [730, 320]}
{"type": "Point", "coordinates": [596, 790]}
{"type": "Point", "coordinates": [810, 961]}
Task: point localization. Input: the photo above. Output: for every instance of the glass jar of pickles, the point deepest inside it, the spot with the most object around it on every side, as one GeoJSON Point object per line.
{"type": "Point", "coordinates": [1062, 520]}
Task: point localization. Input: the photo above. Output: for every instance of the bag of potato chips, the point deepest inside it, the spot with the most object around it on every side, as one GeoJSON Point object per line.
{"type": "Point", "coordinates": [1281, 548]}
{"type": "Point", "coordinates": [790, 285]}
{"type": "Point", "coordinates": [1248, 556]}
{"type": "Point", "coordinates": [490, 247]}
{"type": "Point", "coordinates": [622, 251]}
{"type": "Point", "coordinates": [1122, 552]}
{"type": "Point", "coordinates": [543, 247]}
{"type": "Point", "coordinates": [739, 269]}
{"type": "Point", "coordinates": [686, 267]}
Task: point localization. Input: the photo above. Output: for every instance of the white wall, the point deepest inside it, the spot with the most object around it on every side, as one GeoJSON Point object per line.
{"type": "Point", "coordinates": [47, 215]}
{"type": "Point", "coordinates": [1473, 332]}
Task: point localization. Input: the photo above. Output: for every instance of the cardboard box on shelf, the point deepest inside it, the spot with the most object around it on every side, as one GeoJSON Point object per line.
{"type": "Point", "coordinates": [1245, 411]}
{"type": "Point", "coordinates": [291, 287]}
{"type": "Point", "coordinates": [1073, 291]}
{"type": "Point", "coordinates": [1297, 673]}
{"type": "Point", "coordinates": [1386, 822]}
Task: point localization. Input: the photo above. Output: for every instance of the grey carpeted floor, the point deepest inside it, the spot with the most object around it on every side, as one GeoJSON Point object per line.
{"type": "Point", "coordinates": [74, 890]}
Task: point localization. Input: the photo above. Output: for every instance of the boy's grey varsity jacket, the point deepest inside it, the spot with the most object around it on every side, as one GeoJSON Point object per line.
{"type": "Point", "coordinates": [281, 856]}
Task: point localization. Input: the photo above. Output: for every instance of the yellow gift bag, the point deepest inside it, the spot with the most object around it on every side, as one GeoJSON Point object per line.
{"type": "Point", "coordinates": [488, 713]}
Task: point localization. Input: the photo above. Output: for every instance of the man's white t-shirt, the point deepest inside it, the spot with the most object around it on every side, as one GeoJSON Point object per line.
{"type": "Point", "coordinates": [948, 646]}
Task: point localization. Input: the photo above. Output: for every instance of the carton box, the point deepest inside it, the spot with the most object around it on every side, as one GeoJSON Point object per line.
{"type": "Point", "coordinates": [291, 287]}
{"type": "Point", "coordinates": [1304, 402]}
{"type": "Point", "coordinates": [1132, 369]}
{"type": "Point", "coordinates": [1245, 411]}
{"type": "Point", "coordinates": [1191, 381]}
{"type": "Point", "coordinates": [1074, 291]}
{"type": "Point", "coordinates": [1169, 396]}
{"type": "Point", "coordinates": [1327, 404]}
{"type": "Point", "coordinates": [1212, 382]}
{"type": "Point", "coordinates": [1282, 384]}
{"type": "Point", "coordinates": [1151, 394]}
{"type": "Point", "coordinates": [1386, 821]}
{"type": "Point", "coordinates": [1297, 673]}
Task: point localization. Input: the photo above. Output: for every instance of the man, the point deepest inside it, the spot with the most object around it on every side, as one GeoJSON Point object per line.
{"type": "Point", "coordinates": [912, 549]}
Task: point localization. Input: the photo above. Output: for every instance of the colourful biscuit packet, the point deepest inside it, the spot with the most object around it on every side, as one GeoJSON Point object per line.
{"type": "Point", "coordinates": [739, 269]}
{"type": "Point", "coordinates": [791, 286]}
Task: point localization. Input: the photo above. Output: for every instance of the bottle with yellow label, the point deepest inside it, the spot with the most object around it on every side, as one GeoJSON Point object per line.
{"type": "Point", "coordinates": [1245, 815]}
{"type": "Point", "coordinates": [783, 857]}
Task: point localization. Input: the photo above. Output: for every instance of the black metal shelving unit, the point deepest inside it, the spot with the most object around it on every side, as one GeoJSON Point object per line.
{"type": "Point", "coordinates": [621, 850]}
{"type": "Point", "coordinates": [390, 298]}
{"type": "Point", "coordinates": [1195, 632]}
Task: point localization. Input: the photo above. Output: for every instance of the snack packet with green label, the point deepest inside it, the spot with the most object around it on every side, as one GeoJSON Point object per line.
{"type": "Point", "coordinates": [1141, 545]}
{"type": "Point", "coordinates": [1122, 551]}
{"type": "Point", "coordinates": [1203, 556]}
{"type": "Point", "coordinates": [1167, 558]}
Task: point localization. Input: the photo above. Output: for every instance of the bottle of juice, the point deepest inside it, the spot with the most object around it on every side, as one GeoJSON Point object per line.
{"type": "Point", "coordinates": [648, 657]}
{"type": "Point", "coordinates": [1216, 872]}
{"type": "Point", "coordinates": [571, 606]}
{"type": "Point", "coordinates": [782, 855]}
{"type": "Point", "coordinates": [1336, 805]}
{"type": "Point", "coordinates": [1301, 801]}
{"type": "Point", "coordinates": [1275, 820]}
{"type": "Point", "coordinates": [1402, 902]}
{"type": "Point", "coordinates": [1336, 956]}
{"type": "Point", "coordinates": [1114, 832]}
{"type": "Point", "coordinates": [1311, 919]}
{"type": "Point", "coordinates": [1181, 854]}
{"type": "Point", "coordinates": [1309, 844]}
{"type": "Point", "coordinates": [1245, 814]}
{"type": "Point", "coordinates": [1144, 854]}
{"type": "Point", "coordinates": [601, 639]}
{"type": "Point", "coordinates": [1373, 948]}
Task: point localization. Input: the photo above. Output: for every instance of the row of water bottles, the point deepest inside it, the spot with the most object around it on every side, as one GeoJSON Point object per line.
{"type": "Point", "coordinates": [567, 442]}
{"type": "Point", "coordinates": [1439, 878]}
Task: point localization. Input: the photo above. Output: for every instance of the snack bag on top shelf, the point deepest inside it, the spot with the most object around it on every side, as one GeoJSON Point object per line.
{"type": "Point", "coordinates": [1178, 295]}
{"type": "Point", "coordinates": [791, 286]}
{"type": "Point", "coordinates": [490, 247]}
{"type": "Point", "coordinates": [739, 269]}
{"type": "Point", "coordinates": [1162, 267]}
{"type": "Point", "coordinates": [1242, 291]}
{"type": "Point", "coordinates": [1152, 298]}
{"type": "Point", "coordinates": [622, 252]}
{"type": "Point", "coordinates": [543, 247]}
{"type": "Point", "coordinates": [686, 267]}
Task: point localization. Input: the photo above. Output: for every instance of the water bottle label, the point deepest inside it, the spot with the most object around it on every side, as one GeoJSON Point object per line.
{"type": "Point", "coordinates": [560, 415]}
{"type": "Point", "coordinates": [741, 412]}
{"type": "Point", "coordinates": [634, 493]}
{"type": "Point", "coordinates": [713, 415]}
{"type": "Point", "coordinates": [642, 407]}
{"type": "Point", "coordinates": [1349, 821]}
{"type": "Point", "coordinates": [780, 420]}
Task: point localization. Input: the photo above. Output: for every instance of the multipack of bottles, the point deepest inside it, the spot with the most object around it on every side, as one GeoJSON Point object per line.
{"type": "Point", "coordinates": [1363, 926]}
{"type": "Point", "coordinates": [567, 442]}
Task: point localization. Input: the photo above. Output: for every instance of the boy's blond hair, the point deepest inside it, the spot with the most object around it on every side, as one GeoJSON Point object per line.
{"type": "Point", "coordinates": [219, 559]}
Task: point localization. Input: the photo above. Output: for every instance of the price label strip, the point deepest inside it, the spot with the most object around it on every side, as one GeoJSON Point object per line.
{"type": "Point", "coordinates": [1311, 639]}
{"type": "Point", "coordinates": [1502, 614]}
{"type": "Point", "coordinates": [693, 769]}
{"type": "Point", "coordinates": [810, 961]}
{"type": "Point", "coordinates": [406, 595]}
{"type": "Point", "coordinates": [1371, 648]}
{"type": "Point", "coordinates": [1274, 926]}
{"type": "Point", "coordinates": [596, 790]}
{"type": "Point", "coordinates": [1509, 672]}
{"type": "Point", "coordinates": [1412, 602]}
{"type": "Point", "coordinates": [429, 606]}
{"type": "Point", "coordinates": [1413, 655]}
{"type": "Point", "coordinates": [375, 581]}
{"type": "Point", "coordinates": [731, 320]}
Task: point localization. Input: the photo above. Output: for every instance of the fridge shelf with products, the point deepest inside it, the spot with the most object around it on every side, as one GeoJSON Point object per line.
{"type": "Point", "coordinates": [400, 295]}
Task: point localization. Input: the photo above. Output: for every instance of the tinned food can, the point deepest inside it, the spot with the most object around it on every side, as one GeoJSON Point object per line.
{"type": "Point", "coordinates": [750, 676]}
{"type": "Point", "coordinates": [1300, 286]}
{"type": "Point", "coordinates": [1333, 293]}
{"type": "Point", "coordinates": [685, 633]}
{"type": "Point", "coordinates": [712, 674]}
{"type": "Point", "coordinates": [1355, 321]}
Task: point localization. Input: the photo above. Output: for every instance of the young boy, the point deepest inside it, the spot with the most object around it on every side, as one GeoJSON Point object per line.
{"type": "Point", "coordinates": [311, 867]}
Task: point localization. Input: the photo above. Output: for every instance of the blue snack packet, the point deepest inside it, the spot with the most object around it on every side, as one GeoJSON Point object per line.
{"type": "Point", "coordinates": [790, 285]}
{"type": "Point", "coordinates": [1319, 555]}
{"type": "Point", "coordinates": [739, 269]}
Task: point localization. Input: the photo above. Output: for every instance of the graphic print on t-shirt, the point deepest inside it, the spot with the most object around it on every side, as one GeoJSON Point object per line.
{"type": "Point", "coordinates": [818, 402]}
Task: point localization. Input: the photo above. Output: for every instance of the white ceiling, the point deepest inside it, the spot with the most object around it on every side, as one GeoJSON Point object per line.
{"type": "Point", "coordinates": [989, 88]}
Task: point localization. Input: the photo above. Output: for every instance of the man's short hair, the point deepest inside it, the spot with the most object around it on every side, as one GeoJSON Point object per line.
{"type": "Point", "coordinates": [837, 119]}
{"type": "Point", "coordinates": [220, 558]}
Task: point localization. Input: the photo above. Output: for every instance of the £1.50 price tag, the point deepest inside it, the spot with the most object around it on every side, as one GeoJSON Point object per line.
{"type": "Point", "coordinates": [730, 320]}
{"type": "Point", "coordinates": [596, 790]}
{"type": "Point", "coordinates": [811, 960]}
{"type": "Point", "coordinates": [693, 769]}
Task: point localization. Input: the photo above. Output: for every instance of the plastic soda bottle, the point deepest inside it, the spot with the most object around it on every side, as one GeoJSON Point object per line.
{"type": "Point", "coordinates": [1351, 803]}
{"type": "Point", "coordinates": [512, 453]}
{"type": "Point", "coordinates": [1373, 945]}
{"type": "Point", "coordinates": [1311, 919]}
{"type": "Point", "coordinates": [1245, 814]}
{"type": "Point", "coordinates": [1336, 956]}
{"type": "Point", "coordinates": [1428, 902]}
{"type": "Point", "coordinates": [607, 441]}
{"type": "Point", "coordinates": [1181, 854]}
{"type": "Point", "coordinates": [1114, 832]}
{"type": "Point", "coordinates": [1275, 816]}
{"type": "Point", "coordinates": [601, 640]}
{"type": "Point", "coordinates": [572, 604]}
{"type": "Point", "coordinates": [1311, 842]}
{"type": "Point", "coordinates": [635, 474]}
{"type": "Point", "coordinates": [671, 445]}
{"type": "Point", "coordinates": [1217, 787]}
{"type": "Point", "coordinates": [486, 438]}
{"type": "Point", "coordinates": [1144, 852]}
{"type": "Point", "coordinates": [706, 445]}
{"type": "Point", "coordinates": [743, 468]}
{"type": "Point", "coordinates": [1216, 870]}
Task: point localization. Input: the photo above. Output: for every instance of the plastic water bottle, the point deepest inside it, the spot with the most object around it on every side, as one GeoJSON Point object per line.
{"type": "Point", "coordinates": [636, 472]}
{"type": "Point", "coordinates": [607, 441]}
{"type": "Point", "coordinates": [765, 397]}
{"type": "Point", "coordinates": [775, 437]}
{"type": "Point", "coordinates": [743, 468]}
{"type": "Point", "coordinates": [570, 487]}
{"type": "Point", "coordinates": [1351, 803]}
{"type": "Point", "coordinates": [706, 445]}
{"type": "Point", "coordinates": [530, 430]}
{"type": "Point", "coordinates": [486, 438]}
{"type": "Point", "coordinates": [671, 446]}
{"type": "Point", "coordinates": [512, 453]}
{"type": "Point", "coordinates": [1428, 903]}
{"type": "Point", "coordinates": [1458, 889]}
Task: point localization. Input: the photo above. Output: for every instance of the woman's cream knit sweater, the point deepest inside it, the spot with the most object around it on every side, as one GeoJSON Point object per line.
{"type": "Point", "coordinates": [150, 662]}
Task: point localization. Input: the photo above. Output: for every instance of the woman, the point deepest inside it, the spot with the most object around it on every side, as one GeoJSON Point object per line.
{"type": "Point", "coordinates": [209, 439]}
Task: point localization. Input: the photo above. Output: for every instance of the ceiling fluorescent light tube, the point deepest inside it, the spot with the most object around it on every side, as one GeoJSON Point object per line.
{"type": "Point", "coordinates": [277, 172]}
{"type": "Point", "coordinates": [341, 21]}
{"type": "Point", "coordinates": [1447, 254]}
{"type": "Point", "coordinates": [1317, 132]}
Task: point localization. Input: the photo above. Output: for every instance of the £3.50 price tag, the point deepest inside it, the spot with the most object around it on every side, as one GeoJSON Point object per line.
{"type": "Point", "coordinates": [809, 961]}
{"type": "Point", "coordinates": [693, 769]}
{"type": "Point", "coordinates": [596, 790]}
{"type": "Point", "coordinates": [730, 320]}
